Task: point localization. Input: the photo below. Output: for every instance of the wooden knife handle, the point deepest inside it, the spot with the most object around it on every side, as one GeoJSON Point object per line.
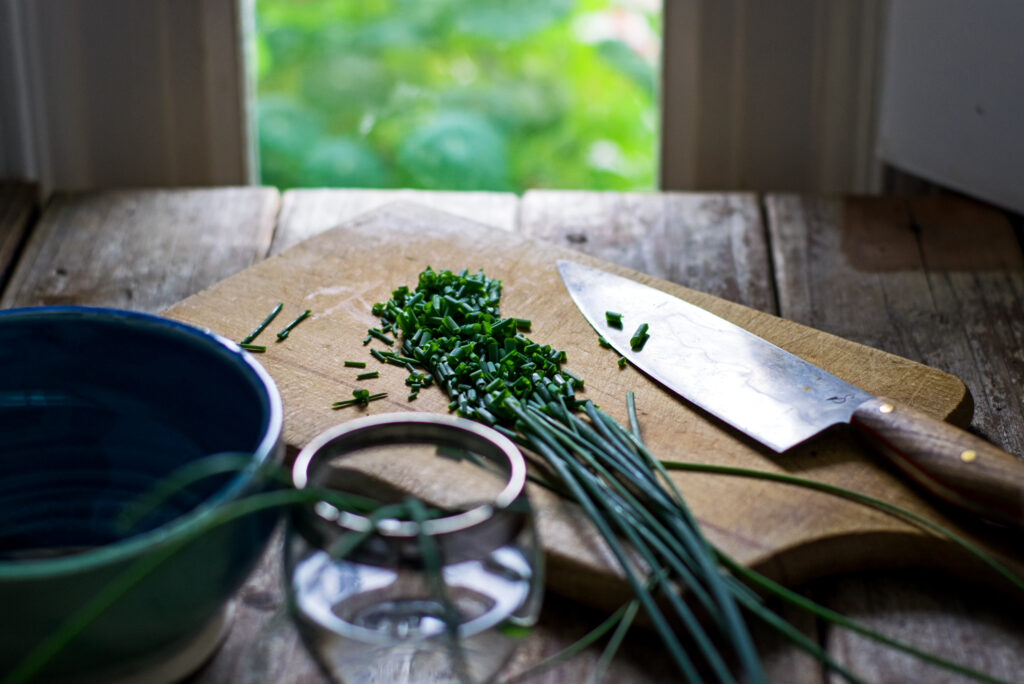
{"type": "Point", "coordinates": [952, 464]}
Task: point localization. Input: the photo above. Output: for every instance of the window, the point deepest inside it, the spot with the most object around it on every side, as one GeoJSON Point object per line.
{"type": "Point", "coordinates": [458, 94]}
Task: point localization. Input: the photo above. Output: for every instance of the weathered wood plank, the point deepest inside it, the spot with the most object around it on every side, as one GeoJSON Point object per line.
{"type": "Point", "coordinates": [18, 207]}
{"type": "Point", "coordinates": [141, 250]}
{"type": "Point", "coordinates": [305, 213]}
{"type": "Point", "coordinates": [938, 280]}
{"type": "Point", "coordinates": [964, 625]}
{"type": "Point", "coordinates": [713, 243]}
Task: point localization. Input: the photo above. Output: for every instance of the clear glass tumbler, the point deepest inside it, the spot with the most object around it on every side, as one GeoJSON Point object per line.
{"type": "Point", "coordinates": [380, 595]}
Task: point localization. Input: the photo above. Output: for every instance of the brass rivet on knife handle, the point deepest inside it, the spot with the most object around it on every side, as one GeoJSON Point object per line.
{"type": "Point", "coordinates": [953, 464]}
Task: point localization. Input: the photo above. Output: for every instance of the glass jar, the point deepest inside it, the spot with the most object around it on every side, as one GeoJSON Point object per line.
{"type": "Point", "coordinates": [384, 594]}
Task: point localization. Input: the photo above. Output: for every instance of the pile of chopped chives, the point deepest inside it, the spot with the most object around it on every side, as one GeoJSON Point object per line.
{"type": "Point", "coordinates": [453, 334]}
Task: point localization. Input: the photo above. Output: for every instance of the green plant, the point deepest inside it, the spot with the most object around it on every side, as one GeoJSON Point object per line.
{"type": "Point", "coordinates": [457, 94]}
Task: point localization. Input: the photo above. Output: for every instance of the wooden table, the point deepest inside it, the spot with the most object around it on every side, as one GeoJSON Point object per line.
{"type": "Point", "coordinates": [938, 279]}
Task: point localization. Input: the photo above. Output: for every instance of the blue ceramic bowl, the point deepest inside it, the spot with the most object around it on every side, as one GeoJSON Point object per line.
{"type": "Point", "coordinates": [97, 407]}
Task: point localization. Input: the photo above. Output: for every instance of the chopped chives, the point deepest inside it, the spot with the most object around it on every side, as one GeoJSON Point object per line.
{"type": "Point", "coordinates": [639, 338]}
{"type": "Point", "coordinates": [374, 332]}
{"type": "Point", "coordinates": [355, 364]}
{"type": "Point", "coordinates": [359, 396]}
{"type": "Point", "coordinates": [622, 362]}
{"type": "Point", "coordinates": [266, 321]}
{"type": "Point", "coordinates": [603, 342]}
{"type": "Point", "coordinates": [288, 328]}
{"type": "Point", "coordinates": [257, 348]}
{"type": "Point", "coordinates": [368, 375]}
{"type": "Point", "coordinates": [523, 324]}
{"type": "Point", "coordinates": [613, 319]}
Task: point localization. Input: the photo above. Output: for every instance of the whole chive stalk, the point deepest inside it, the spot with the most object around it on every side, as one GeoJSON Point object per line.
{"type": "Point", "coordinates": [491, 373]}
{"type": "Point", "coordinates": [613, 318]}
{"type": "Point", "coordinates": [266, 321]}
{"type": "Point", "coordinates": [639, 338]}
{"type": "Point", "coordinates": [256, 348]}
{"type": "Point", "coordinates": [288, 328]}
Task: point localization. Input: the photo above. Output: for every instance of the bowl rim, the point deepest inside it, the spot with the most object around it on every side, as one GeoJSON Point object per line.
{"type": "Point", "coordinates": [269, 446]}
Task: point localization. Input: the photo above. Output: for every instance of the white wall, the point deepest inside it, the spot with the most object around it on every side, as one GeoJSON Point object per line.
{"type": "Point", "coordinates": [771, 96]}
{"type": "Point", "coordinates": [953, 100]}
{"type": "Point", "coordinates": [123, 93]}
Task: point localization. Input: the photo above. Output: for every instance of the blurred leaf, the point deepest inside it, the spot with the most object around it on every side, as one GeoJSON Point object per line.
{"type": "Point", "coordinates": [345, 163]}
{"type": "Point", "coordinates": [400, 31]}
{"type": "Point", "coordinates": [522, 98]}
{"type": "Point", "coordinates": [345, 84]}
{"type": "Point", "coordinates": [264, 60]}
{"type": "Point", "coordinates": [457, 151]}
{"type": "Point", "coordinates": [286, 44]}
{"type": "Point", "coordinates": [632, 65]}
{"type": "Point", "coordinates": [287, 130]}
{"type": "Point", "coordinates": [508, 19]}
{"type": "Point", "coordinates": [516, 106]}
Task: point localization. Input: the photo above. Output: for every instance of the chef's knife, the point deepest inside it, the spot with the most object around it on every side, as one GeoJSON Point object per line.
{"type": "Point", "coordinates": [781, 400]}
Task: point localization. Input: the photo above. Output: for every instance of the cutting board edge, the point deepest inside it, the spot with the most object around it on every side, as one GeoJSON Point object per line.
{"type": "Point", "coordinates": [307, 251]}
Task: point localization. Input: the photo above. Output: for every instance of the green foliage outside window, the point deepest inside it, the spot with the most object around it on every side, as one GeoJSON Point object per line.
{"type": "Point", "coordinates": [458, 94]}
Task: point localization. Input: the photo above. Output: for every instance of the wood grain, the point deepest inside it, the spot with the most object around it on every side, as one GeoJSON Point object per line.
{"type": "Point", "coordinates": [935, 279]}
{"type": "Point", "coordinates": [940, 614]}
{"type": "Point", "coordinates": [141, 250]}
{"type": "Point", "coordinates": [888, 295]}
{"type": "Point", "coordinates": [305, 213]}
{"type": "Point", "coordinates": [714, 243]}
{"type": "Point", "coordinates": [952, 464]}
{"type": "Point", "coordinates": [790, 534]}
{"type": "Point", "coordinates": [18, 207]}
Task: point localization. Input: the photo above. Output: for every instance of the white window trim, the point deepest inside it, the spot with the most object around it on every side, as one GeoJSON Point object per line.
{"type": "Point", "coordinates": [717, 112]}
{"type": "Point", "coordinates": [186, 70]}
{"type": "Point", "coordinates": [726, 127]}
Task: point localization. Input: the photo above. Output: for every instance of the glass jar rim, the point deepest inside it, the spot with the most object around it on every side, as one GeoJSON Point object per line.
{"type": "Point", "coordinates": [406, 428]}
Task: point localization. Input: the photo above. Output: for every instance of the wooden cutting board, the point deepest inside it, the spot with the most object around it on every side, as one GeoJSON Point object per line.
{"type": "Point", "coordinates": [790, 533]}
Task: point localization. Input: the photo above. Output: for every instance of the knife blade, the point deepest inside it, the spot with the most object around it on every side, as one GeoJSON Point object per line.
{"type": "Point", "coordinates": [782, 400]}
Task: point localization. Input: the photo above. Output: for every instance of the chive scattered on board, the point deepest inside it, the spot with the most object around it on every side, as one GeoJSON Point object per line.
{"type": "Point", "coordinates": [288, 328]}
{"type": "Point", "coordinates": [361, 397]}
{"type": "Point", "coordinates": [355, 364]}
{"type": "Point", "coordinates": [255, 348]}
{"type": "Point", "coordinates": [639, 338]}
{"type": "Point", "coordinates": [368, 375]}
{"type": "Point", "coordinates": [374, 332]}
{"type": "Point", "coordinates": [613, 318]}
{"type": "Point", "coordinates": [451, 327]}
{"type": "Point", "coordinates": [622, 362]}
{"type": "Point", "coordinates": [266, 321]}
